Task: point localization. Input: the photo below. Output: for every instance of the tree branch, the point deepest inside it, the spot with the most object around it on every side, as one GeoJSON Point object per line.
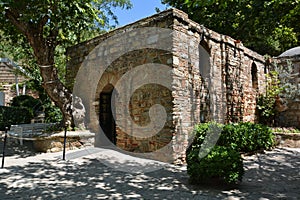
{"type": "Point", "coordinates": [42, 23]}
{"type": "Point", "coordinates": [13, 18]}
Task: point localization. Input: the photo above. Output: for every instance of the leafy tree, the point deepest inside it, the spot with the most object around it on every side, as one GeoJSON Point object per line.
{"type": "Point", "coordinates": [266, 26]}
{"type": "Point", "coordinates": [42, 29]}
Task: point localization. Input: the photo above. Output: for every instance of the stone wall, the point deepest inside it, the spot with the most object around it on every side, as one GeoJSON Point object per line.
{"type": "Point", "coordinates": [227, 76]}
{"type": "Point", "coordinates": [141, 100]}
{"type": "Point", "coordinates": [7, 81]}
{"type": "Point", "coordinates": [144, 97]}
{"type": "Point", "coordinates": [290, 117]}
{"type": "Point", "coordinates": [212, 77]}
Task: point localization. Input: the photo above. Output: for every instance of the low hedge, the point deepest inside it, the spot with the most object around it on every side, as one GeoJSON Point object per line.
{"type": "Point", "coordinates": [224, 160]}
{"type": "Point", "coordinates": [14, 115]}
{"type": "Point", "coordinates": [245, 137]}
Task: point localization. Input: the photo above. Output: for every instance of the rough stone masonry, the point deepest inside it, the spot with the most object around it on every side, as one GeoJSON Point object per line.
{"type": "Point", "coordinates": [214, 78]}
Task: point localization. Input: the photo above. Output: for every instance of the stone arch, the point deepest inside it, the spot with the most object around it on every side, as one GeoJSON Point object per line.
{"type": "Point", "coordinates": [141, 100]}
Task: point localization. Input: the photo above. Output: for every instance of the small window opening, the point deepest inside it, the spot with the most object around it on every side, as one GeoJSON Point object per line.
{"type": "Point", "coordinates": [254, 76]}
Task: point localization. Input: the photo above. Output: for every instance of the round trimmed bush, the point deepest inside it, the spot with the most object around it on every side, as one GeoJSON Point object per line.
{"type": "Point", "coordinates": [221, 164]}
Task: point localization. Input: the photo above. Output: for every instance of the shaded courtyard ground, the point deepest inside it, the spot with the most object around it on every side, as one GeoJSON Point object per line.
{"type": "Point", "coordinates": [93, 173]}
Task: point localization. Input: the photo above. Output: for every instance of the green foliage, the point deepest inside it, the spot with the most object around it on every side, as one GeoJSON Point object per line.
{"type": "Point", "coordinates": [266, 102]}
{"type": "Point", "coordinates": [222, 163]}
{"type": "Point", "coordinates": [14, 115]}
{"type": "Point", "coordinates": [43, 104]}
{"type": "Point", "coordinates": [268, 27]}
{"type": "Point", "coordinates": [246, 137]}
{"type": "Point", "coordinates": [28, 102]}
{"type": "Point", "coordinates": [201, 130]}
{"type": "Point", "coordinates": [52, 112]}
{"type": "Point", "coordinates": [17, 49]}
{"type": "Point", "coordinates": [224, 160]}
{"type": "Point", "coordinates": [71, 21]}
{"type": "Point", "coordinates": [37, 33]}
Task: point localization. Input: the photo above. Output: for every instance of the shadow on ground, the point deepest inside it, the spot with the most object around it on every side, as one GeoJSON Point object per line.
{"type": "Point", "coordinates": [274, 175]}
{"type": "Point", "coordinates": [13, 148]}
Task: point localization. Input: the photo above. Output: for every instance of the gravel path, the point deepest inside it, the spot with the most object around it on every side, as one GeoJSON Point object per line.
{"type": "Point", "coordinates": [95, 174]}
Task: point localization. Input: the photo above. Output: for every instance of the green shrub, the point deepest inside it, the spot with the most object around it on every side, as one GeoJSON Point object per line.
{"type": "Point", "coordinates": [200, 132]}
{"type": "Point", "coordinates": [246, 137]}
{"type": "Point", "coordinates": [266, 102]}
{"type": "Point", "coordinates": [14, 115]}
{"type": "Point", "coordinates": [52, 113]}
{"type": "Point", "coordinates": [221, 164]}
{"type": "Point", "coordinates": [26, 101]}
{"type": "Point", "coordinates": [224, 160]}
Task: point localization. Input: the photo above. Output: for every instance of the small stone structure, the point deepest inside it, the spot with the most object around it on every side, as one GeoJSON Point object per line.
{"type": "Point", "coordinates": [8, 77]}
{"type": "Point", "coordinates": [290, 117]}
{"type": "Point", "coordinates": [55, 142]}
{"type": "Point", "coordinates": [213, 77]}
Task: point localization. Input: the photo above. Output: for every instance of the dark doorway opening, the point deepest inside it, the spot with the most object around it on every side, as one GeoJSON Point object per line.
{"type": "Point", "coordinates": [254, 76]}
{"type": "Point", "coordinates": [106, 118]}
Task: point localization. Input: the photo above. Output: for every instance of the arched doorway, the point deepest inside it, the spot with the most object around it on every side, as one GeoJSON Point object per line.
{"type": "Point", "coordinates": [107, 121]}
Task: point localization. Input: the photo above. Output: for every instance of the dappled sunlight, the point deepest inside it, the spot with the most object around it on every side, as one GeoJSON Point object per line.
{"type": "Point", "coordinates": [50, 180]}
{"type": "Point", "coordinates": [272, 175]}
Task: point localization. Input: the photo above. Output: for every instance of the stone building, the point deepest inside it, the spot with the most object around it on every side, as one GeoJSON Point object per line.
{"type": "Point", "coordinates": [9, 76]}
{"type": "Point", "coordinates": [212, 77]}
{"type": "Point", "coordinates": [290, 116]}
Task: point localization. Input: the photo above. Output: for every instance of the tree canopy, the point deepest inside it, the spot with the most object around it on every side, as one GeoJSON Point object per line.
{"type": "Point", "coordinates": [266, 26]}
{"type": "Point", "coordinates": [60, 23]}
{"type": "Point", "coordinates": [38, 32]}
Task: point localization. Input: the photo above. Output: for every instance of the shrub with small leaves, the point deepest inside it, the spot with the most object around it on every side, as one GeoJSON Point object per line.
{"type": "Point", "coordinates": [14, 115]}
{"type": "Point", "coordinates": [247, 137]}
{"type": "Point", "coordinates": [224, 160]}
{"type": "Point", "coordinates": [221, 164]}
{"type": "Point", "coordinates": [28, 102]}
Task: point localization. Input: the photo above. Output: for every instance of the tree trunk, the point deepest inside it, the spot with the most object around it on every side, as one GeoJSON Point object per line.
{"type": "Point", "coordinates": [58, 93]}
{"type": "Point", "coordinates": [44, 51]}
{"type": "Point", "coordinates": [55, 89]}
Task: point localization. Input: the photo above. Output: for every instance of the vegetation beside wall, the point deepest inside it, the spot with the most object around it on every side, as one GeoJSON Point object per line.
{"type": "Point", "coordinates": [224, 161]}
{"type": "Point", "coordinates": [14, 115]}
{"type": "Point", "coordinates": [28, 102]}
{"type": "Point", "coordinates": [266, 102]}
